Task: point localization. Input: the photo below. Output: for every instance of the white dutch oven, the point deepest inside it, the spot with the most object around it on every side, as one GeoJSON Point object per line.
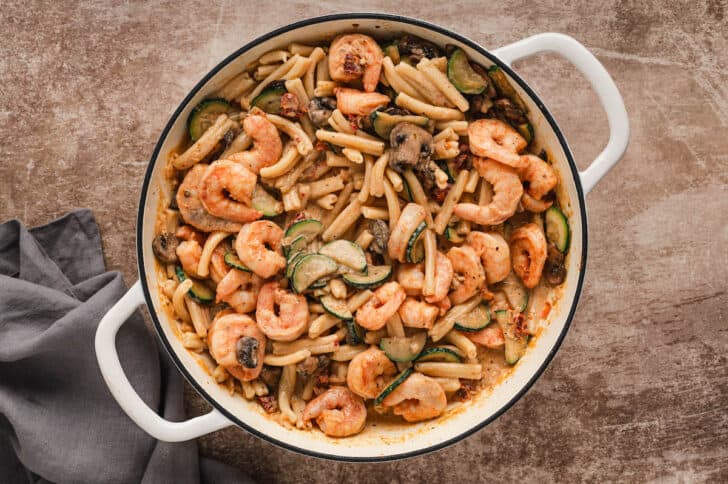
{"type": "Point", "coordinates": [378, 442]}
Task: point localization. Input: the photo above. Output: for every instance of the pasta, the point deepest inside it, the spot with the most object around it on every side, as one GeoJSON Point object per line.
{"type": "Point", "coordinates": [319, 253]}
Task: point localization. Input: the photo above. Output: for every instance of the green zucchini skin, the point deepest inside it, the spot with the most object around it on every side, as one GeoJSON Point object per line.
{"type": "Point", "coordinates": [439, 354]}
{"type": "Point", "coordinates": [375, 276]}
{"type": "Point", "coordinates": [199, 292]}
{"type": "Point", "coordinates": [270, 99]}
{"type": "Point", "coordinates": [462, 76]}
{"type": "Point", "coordinates": [415, 252]}
{"type": "Point", "coordinates": [392, 386]}
{"type": "Point", "coordinates": [310, 270]}
{"type": "Point", "coordinates": [346, 253]}
{"type": "Point", "coordinates": [233, 261]}
{"type": "Point", "coordinates": [516, 343]}
{"type": "Point", "coordinates": [204, 114]}
{"type": "Point", "coordinates": [557, 229]}
{"type": "Point", "coordinates": [384, 122]}
{"type": "Point", "coordinates": [475, 321]}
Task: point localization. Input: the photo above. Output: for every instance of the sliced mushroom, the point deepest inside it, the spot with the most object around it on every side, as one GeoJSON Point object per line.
{"type": "Point", "coordinates": [380, 231]}
{"type": "Point", "coordinates": [164, 247]}
{"type": "Point", "coordinates": [271, 375]}
{"type": "Point", "coordinates": [312, 365]}
{"type": "Point", "coordinates": [415, 48]}
{"type": "Point", "coordinates": [247, 351]}
{"type": "Point", "coordinates": [320, 109]}
{"type": "Point", "coordinates": [554, 270]}
{"type": "Point", "coordinates": [412, 147]}
{"type": "Point", "coordinates": [512, 113]}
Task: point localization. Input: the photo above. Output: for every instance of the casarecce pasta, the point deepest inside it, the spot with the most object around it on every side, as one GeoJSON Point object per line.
{"type": "Point", "coordinates": [360, 227]}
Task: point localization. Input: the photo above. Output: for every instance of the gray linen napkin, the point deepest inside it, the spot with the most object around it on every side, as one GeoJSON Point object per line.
{"type": "Point", "coordinates": [58, 420]}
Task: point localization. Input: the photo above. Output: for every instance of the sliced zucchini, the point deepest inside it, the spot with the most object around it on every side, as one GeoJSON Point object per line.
{"type": "Point", "coordinates": [204, 115]}
{"type": "Point", "coordinates": [439, 353]}
{"type": "Point", "coordinates": [292, 261]}
{"type": "Point", "coordinates": [504, 87]}
{"type": "Point", "coordinates": [557, 229]}
{"type": "Point", "coordinates": [266, 203]}
{"type": "Point", "coordinates": [384, 122]}
{"type": "Point", "coordinates": [416, 245]}
{"type": "Point", "coordinates": [354, 333]}
{"type": "Point", "coordinates": [297, 245]}
{"type": "Point", "coordinates": [336, 307]}
{"type": "Point", "coordinates": [399, 379]}
{"type": "Point", "coordinates": [270, 99]}
{"type": "Point", "coordinates": [232, 260]}
{"type": "Point", "coordinates": [347, 253]}
{"type": "Point", "coordinates": [462, 76]}
{"type": "Point", "coordinates": [199, 292]}
{"type": "Point", "coordinates": [448, 166]}
{"type": "Point", "coordinates": [406, 192]}
{"type": "Point", "coordinates": [475, 320]}
{"type": "Point", "coordinates": [526, 131]}
{"type": "Point", "coordinates": [320, 283]}
{"type": "Point", "coordinates": [516, 342]}
{"type": "Point", "coordinates": [375, 276]}
{"type": "Point", "coordinates": [392, 51]}
{"type": "Point", "coordinates": [453, 236]}
{"type": "Point", "coordinates": [403, 348]}
{"type": "Point", "coordinates": [308, 227]}
{"type": "Point", "coordinates": [516, 292]}
{"type": "Point", "coordinates": [309, 269]}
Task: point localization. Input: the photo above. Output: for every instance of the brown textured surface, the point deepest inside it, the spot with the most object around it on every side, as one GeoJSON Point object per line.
{"type": "Point", "coordinates": [639, 390]}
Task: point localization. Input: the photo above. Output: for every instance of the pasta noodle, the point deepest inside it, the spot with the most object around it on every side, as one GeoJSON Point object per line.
{"type": "Point", "coordinates": [418, 194]}
{"type": "Point", "coordinates": [448, 206]}
{"type": "Point", "coordinates": [296, 87]}
{"type": "Point", "coordinates": [433, 112]}
{"type": "Point", "coordinates": [274, 57]}
{"type": "Point", "coordinates": [469, 371]}
{"type": "Point", "coordinates": [459, 127]}
{"type": "Point", "coordinates": [472, 182]}
{"type": "Point", "coordinates": [319, 188]}
{"type": "Point", "coordinates": [294, 131]}
{"type": "Point", "coordinates": [203, 146]}
{"type": "Point", "coordinates": [426, 87]}
{"type": "Point", "coordinates": [236, 86]}
{"type": "Point", "coordinates": [351, 141]}
{"type": "Point", "coordinates": [285, 360]}
{"type": "Point", "coordinates": [377, 181]}
{"type": "Point", "coordinates": [393, 209]}
{"type": "Point", "coordinates": [346, 219]}
{"type": "Point", "coordinates": [428, 289]}
{"type": "Point", "coordinates": [200, 317]}
{"type": "Point", "coordinates": [463, 343]}
{"type": "Point", "coordinates": [440, 80]}
{"type": "Point", "coordinates": [446, 323]}
{"type": "Point", "coordinates": [212, 241]}
{"type": "Point", "coordinates": [364, 239]}
{"type": "Point", "coordinates": [341, 202]}
{"type": "Point", "coordinates": [375, 213]}
{"type": "Point", "coordinates": [285, 390]}
{"type": "Point", "coordinates": [273, 76]}
{"type": "Point", "coordinates": [395, 180]}
{"type": "Point", "coordinates": [324, 88]}
{"type": "Point", "coordinates": [339, 123]}
{"type": "Point", "coordinates": [347, 352]}
{"type": "Point", "coordinates": [354, 156]}
{"type": "Point", "coordinates": [287, 161]}
{"type": "Point", "coordinates": [178, 300]}
{"type": "Point", "coordinates": [338, 161]}
{"type": "Point", "coordinates": [301, 49]}
{"type": "Point", "coordinates": [364, 193]}
{"type": "Point", "coordinates": [308, 80]}
{"type": "Point", "coordinates": [395, 80]}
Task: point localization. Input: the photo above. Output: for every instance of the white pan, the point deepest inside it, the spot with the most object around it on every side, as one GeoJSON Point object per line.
{"type": "Point", "coordinates": [380, 442]}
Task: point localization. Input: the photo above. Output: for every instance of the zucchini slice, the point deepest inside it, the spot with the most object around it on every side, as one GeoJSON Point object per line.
{"type": "Point", "coordinates": [232, 260]}
{"type": "Point", "coordinates": [292, 261]}
{"type": "Point", "coordinates": [526, 131]}
{"type": "Point", "coordinates": [309, 269]}
{"type": "Point", "coordinates": [557, 229]}
{"type": "Point", "coordinates": [515, 343]}
{"type": "Point", "coordinates": [384, 122]}
{"type": "Point", "coordinates": [399, 379]}
{"type": "Point", "coordinates": [297, 245]}
{"type": "Point", "coordinates": [439, 353]}
{"type": "Point", "coordinates": [354, 333]}
{"type": "Point", "coordinates": [416, 245]}
{"type": "Point", "coordinates": [336, 307]}
{"type": "Point", "coordinates": [199, 292]}
{"type": "Point", "coordinates": [504, 88]}
{"type": "Point", "coordinates": [516, 292]}
{"type": "Point", "coordinates": [375, 276]}
{"type": "Point", "coordinates": [346, 253]}
{"type": "Point", "coordinates": [266, 203]}
{"type": "Point", "coordinates": [270, 99]}
{"type": "Point", "coordinates": [406, 193]}
{"type": "Point", "coordinates": [403, 348]}
{"type": "Point", "coordinates": [477, 319]}
{"type": "Point", "coordinates": [462, 76]}
{"type": "Point", "coordinates": [308, 227]}
{"type": "Point", "coordinates": [204, 115]}
{"type": "Point", "coordinates": [453, 236]}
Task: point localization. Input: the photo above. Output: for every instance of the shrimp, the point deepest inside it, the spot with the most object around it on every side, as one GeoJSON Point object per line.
{"type": "Point", "coordinates": [259, 247]}
{"type": "Point", "coordinates": [490, 337]}
{"type": "Point", "coordinates": [443, 278]}
{"type": "Point", "coordinates": [370, 372]}
{"type": "Point", "coordinates": [240, 290]}
{"type": "Point", "coordinates": [494, 254]}
{"type": "Point", "coordinates": [352, 56]}
{"type": "Point", "coordinates": [412, 278]}
{"type": "Point", "coordinates": [418, 314]}
{"type": "Point", "coordinates": [384, 303]}
{"type": "Point", "coordinates": [267, 145]}
{"type": "Point", "coordinates": [411, 217]}
{"type": "Point", "coordinates": [226, 191]}
{"type": "Point", "coordinates": [237, 344]}
{"type": "Point", "coordinates": [470, 277]}
{"type": "Point", "coordinates": [507, 193]}
{"type": "Point", "coordinates": [417, 398]}
{"type": "Point", "coordinates": [189, 253]}
{"type": "Point", "coordinates": [338, 412]}
{"type": "Point", "coordinates": [218, 267]}
{"type": "Point", "coordinates": [492, 138]}
{"type": "Point", "coordinates": [443, 305]}
{"type": "Point", "coordinates": [533, 204]}
{"type": "Point", "coordinates": [191, 208]}
{"type": "Point", "coordinates": [358, 103]}
{"type": "Point", "coordinates": [528, 246]}
{"type": "Point", "coordinates": [541, 179]}
{"type": "Point", "coordinates": [292, 318]}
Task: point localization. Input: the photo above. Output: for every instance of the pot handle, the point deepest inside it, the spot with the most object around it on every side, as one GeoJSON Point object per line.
{"type": "Point", "coordinates": [600, 81]}
{"type": "Point", "coordinates": [124, 393]}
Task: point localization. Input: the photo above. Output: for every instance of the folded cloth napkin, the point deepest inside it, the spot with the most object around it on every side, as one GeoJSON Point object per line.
{"type": "Point", "coordinates": [58, 420]}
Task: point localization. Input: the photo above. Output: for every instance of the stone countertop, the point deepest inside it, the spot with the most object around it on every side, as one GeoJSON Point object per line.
{"type": "Point", "coordinates": [639, 388]}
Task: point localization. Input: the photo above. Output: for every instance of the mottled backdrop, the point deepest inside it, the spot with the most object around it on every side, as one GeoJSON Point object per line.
{"type": "Point", "coordinates": [639, 390]}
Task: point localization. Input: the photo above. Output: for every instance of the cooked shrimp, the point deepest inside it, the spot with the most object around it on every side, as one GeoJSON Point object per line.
{"type": "Point", "coordinates": [237, 344]}
{"type": "Point", "coordinates": [417, 398]}
{"type": "Point", "coordinates": [492, 138]}
{"type": "Point", "coordinates": [534, 205]}
{"type": "Point", "coordinates": [370, 372]}
{"type": "Point", "coordinates": [418, 314]}
{"type": "Point", "coordinates": [443, 278]}
{"type": "Point", "coordinates": [240, 290]}
{"type": "Point", "coordinates": [352, 56]}
{"type": "Point", "coordinates": [259, 247]}
{"type": "Point", "coordinates": [528, 248]}
{"type": "Point", "coordinates": [469, 275]}
{"type": "Point", "coordinates": [226, 190]}
{"type": "Point", "coordinates": [384, 303]}
{"type": "Point", "coordinates": [185, 232]}
{"type": "Point", "coordinates": [267, 144]}
{"type": "Point", "coordinates": [191, 208]}
{"type": "Point", "coordinates": [507, 190]}
{"type": "Point", "coordinates": [443, 305]}
{"type": "Point", "coordinates": [412, 278]}
{"type": "Point", "coordinates": [218, 267]}
{"type": "Point", "coordinates": [292, 318]}
{"type": "Point", "coordinates": [490, 337]}
{"type": "Point", "coordinates": [540, 176]}
{"type": "Point", "coordinates": [358, 103]}
{"type": "Point", "coordinates": [494, 254]}
{"type": "Point", "coordinates": [338, 412]}
{"type": "Point", "coordinates": [412, 216]}
{"type": "Point", "coordinates": [189, 253]}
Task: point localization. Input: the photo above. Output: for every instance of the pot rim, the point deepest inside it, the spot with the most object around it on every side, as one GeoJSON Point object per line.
{"type": "Point", "coordinates": [148, 176]}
